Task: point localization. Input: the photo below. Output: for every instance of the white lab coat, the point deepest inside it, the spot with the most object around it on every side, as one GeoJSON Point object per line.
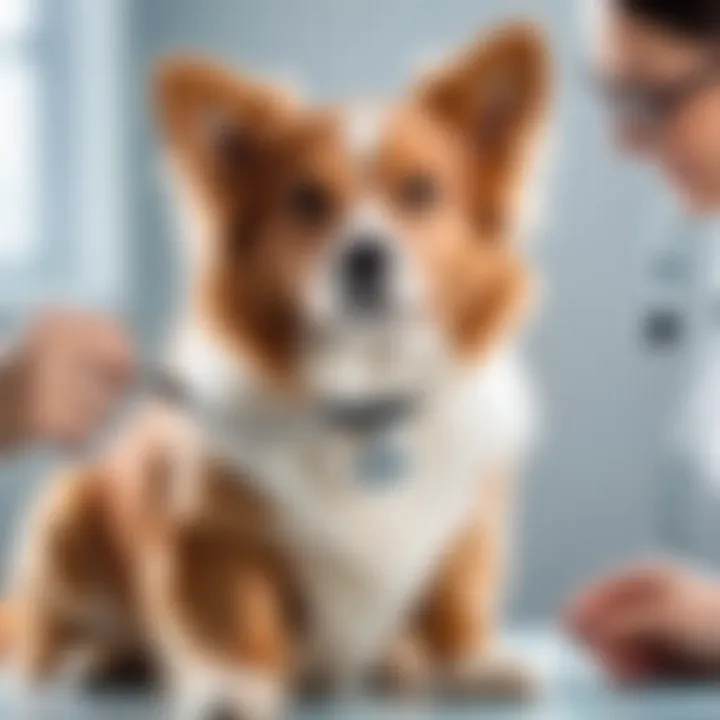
{"type": "Point", "coordinates": [697, 431]}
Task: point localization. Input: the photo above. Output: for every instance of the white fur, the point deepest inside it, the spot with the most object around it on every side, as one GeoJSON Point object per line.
{"type": "Point", "coordinates": [364, 554]}
{"type": "Point", "coordinates": [364, 128]}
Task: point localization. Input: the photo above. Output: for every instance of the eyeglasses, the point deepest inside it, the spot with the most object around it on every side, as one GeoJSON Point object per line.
{"type": "Point", "coordinates": [648, 108]}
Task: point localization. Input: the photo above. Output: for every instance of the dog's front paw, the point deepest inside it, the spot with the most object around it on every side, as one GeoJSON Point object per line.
{"type": "Point", "coordinates": [224, 710]}
{"type": "Point", "coordinates": [407, 670]}
{"type": "Point", "coordinates": [228, 695]}
{"type": "Point", "coordinates": [494, 676]}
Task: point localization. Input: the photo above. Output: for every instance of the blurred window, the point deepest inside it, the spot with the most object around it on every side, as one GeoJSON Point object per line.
{"type": "Point", "coordinates": [61, 202]}
{"type": "Point", "coordinates": [20, 206]}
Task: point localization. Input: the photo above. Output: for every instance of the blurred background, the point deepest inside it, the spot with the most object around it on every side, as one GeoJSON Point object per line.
{"type": "Point", "coordinates": [628, 282]}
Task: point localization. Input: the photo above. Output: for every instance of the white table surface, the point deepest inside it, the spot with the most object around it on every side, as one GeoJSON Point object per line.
{"type": "Point", "coordinates": [573, 691]}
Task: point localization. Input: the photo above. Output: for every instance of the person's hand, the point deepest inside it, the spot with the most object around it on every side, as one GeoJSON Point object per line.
{"type": "Point", "coordinates": [64, 379]}
{"type": "Point", "coordinates": [649, 622]}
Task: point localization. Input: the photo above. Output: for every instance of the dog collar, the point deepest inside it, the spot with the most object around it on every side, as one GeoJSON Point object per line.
{"type": "Point", "coordinates": [381, 459]}
{"type": "Point", "coordinates": [372, 417]}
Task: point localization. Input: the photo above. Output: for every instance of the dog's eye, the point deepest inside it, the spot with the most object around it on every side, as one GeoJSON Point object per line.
{"type": "Point", "coordinates": [418, 192]}
{"type": "Point", "coordinates": [310, 202]}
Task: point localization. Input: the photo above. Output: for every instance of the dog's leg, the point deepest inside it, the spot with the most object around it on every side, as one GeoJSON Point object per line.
{"type": "Point", "coordinates": [460, 617]}
{"type": "Point", "coordinates": [41, 642]}
{"type": "Point", "coordinates": [210, 679]}
{"type": "Point", "coordinates": [65, 578]}
{"type": "Point", "coordinates": [223, 631]}
{"type": "Point", "coordinates": [407, 668]}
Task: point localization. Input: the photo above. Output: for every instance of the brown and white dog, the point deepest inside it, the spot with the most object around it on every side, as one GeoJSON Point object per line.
{"type": "Point", "coordinates": [330, 503]}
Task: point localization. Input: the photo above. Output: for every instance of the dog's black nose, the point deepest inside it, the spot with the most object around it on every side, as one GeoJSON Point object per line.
{"type": "Point", "coordinates": [364, 272]}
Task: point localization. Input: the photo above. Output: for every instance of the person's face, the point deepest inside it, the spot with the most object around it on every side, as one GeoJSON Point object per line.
{"type": "Point", "coordinates": [665, 89]}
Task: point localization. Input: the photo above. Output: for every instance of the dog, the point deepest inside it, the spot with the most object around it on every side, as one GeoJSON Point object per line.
{"type": "Point", "coordinates": [329, 504]}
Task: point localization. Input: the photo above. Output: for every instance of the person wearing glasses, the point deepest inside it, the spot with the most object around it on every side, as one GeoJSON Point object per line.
{"type": "Point", "coordinates": [658, 63]}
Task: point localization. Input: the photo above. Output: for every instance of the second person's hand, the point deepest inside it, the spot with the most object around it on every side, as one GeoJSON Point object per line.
{"type": "Point", "coordinates": [651, 621]}
{"type": "Point", "coordinates": [65, 377]}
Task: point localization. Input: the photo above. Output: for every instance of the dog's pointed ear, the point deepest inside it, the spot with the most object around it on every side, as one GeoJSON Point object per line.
{"type": "Point", "coordinates": [219, 126]}
{"type": "Point", "coordinates": [495, 95]}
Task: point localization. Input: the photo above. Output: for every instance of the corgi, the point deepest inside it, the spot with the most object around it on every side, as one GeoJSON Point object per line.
{"type": "Point", "coordinates": [329, 505]}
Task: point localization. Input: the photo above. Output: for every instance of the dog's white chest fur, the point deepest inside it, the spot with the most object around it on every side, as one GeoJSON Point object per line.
{"type": "Point", "coordinates": [364, 552]}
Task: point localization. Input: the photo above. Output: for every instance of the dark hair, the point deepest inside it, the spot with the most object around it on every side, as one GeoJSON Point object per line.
{"type": "Point", "coordinates": [693, 18]}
